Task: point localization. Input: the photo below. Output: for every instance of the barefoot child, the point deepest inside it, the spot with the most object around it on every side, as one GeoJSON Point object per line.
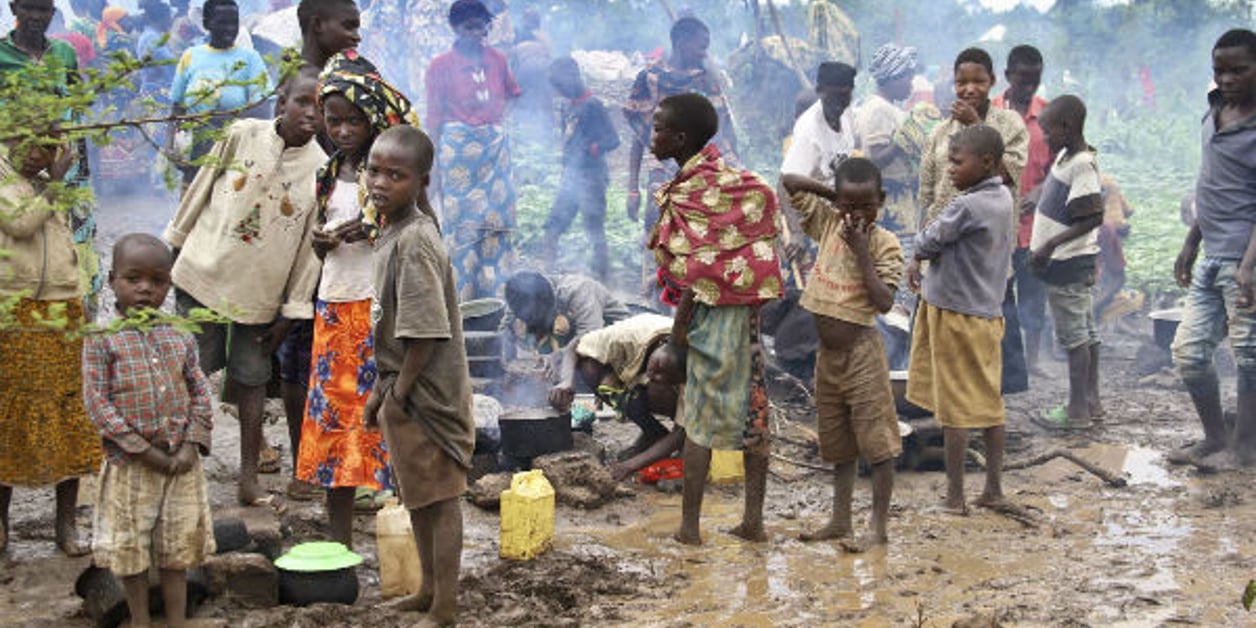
{"type": "Point", "coordinates": [242, 239]}
{"type": "Point", "coordinates": [715, 244]}
{"type": "Point", "coordinates": [1219, 298]}
{"type": "Point", "coordinates": [955, 355]}
{"type": "Point", "coordinates": [423, 397]}
{"type": "Point", "coordinates": [150, 401]}
{"type": "Point", "coordinates": [1063, 249]}
{"type": "Point", "coordinates": [856, 274]}
{"type": "Point", "coordinates": [45, 437]}
{"type": "Point", "coordinates": [337, 453]}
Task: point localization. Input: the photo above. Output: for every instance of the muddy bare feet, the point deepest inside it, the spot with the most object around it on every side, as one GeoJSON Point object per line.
{"type": "Point", "coordinates": [69, 544]}
{"type": "Point", "coordinates": [828, 532]}
{"type": "Point", "coordinates": [863, 542]}
{"type": "Point", "coordinates": [688, 537]}
{"type": "Point", "coordinates": [417, 603]}
{"type": "Point", "coordinates": [432, 622]}
{"type": "Point", "coordinates": [251, 494]}
{"type": "Point", "coordinates": [954, 506]}
{"type": "Point", "coordinates": [991, 501]}
{"type": "Point", "coordinates": [1222, 461]}
{"type": "Point", "coordinates": [752, 533]}
{"type": "Point", "coordinates": [1192, 453]}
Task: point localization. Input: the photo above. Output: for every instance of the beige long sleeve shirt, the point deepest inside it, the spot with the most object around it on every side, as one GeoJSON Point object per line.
{"type": "Point", "coordinates": [244, 227]}
{"type": "Point", "coordinates": [936, 189]}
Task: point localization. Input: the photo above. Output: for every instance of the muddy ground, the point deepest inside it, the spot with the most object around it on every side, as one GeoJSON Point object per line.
{"type": "Point", "coordinates": [1172, 547]}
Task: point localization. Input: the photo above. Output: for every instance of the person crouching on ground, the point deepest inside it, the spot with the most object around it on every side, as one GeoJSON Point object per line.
{"type": "Point", "coordinates": [956, 361]}
{"type": "Point", "coordinates": [715, 244]}
{"type": "Point", "coordinates": [422, 399]}
{"type": "Point", "coordinates": [630, 366]}
{"type": "Point", "coordinates": [855, 277]}
{"type": "Point", "coordinates": [146, 394]}
{"type": "Point", "coordinates": [1063, 248]}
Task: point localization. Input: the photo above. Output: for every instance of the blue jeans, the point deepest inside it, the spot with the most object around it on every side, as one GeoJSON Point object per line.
{"type": "Point", "coordinates": [1212, 313]}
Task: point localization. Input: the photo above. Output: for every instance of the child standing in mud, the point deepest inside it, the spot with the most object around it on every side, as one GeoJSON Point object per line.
{"type": "Point", "coordinates": [422, 399]}
{"type": "Point", "coordinates": [242, 240]}
{"type": "Point", "coordinates": [715, 244]}
{"type": "Point", "coordinates": [146, 394]}
{"type": "Point", "coordinates": [855, 276]}
{"type": "Point", "coordinates": [1063, 248]}
{"type": "Point", "coordinates": [1219, 298]}
{"type": "Point", "coordinates": [956, 357]}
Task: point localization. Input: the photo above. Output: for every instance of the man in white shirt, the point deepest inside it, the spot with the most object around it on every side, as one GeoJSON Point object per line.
{"type": "Point", "coordinates": [824, 135]}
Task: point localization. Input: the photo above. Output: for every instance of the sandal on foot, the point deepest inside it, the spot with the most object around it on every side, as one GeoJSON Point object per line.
{"type": "Point", "coordinates": [302, 491]}
{"type": "Point", "coordinates": [268, 460]}
{"type": "Point", "coordinates": [369, 500]}
{"type": "Point", "coordinates": [1057, 419]}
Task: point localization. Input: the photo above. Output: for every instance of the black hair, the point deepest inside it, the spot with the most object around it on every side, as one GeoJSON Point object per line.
{"type": "Point", "coordinates": [212, 6]}
{"type": "Point", "coordinates": [687, 27]}
{"type": "Point", "coordinates": [307, 10]}
{"type": "Point", "coordinates": [463, 10]}
{"type": "Point", "coordinates": [307, 70]}
{"type": "Point", "coordinates": [156, 13]}
{"type": "Point", "coordinates": [981, 139]}
{"type": "Point", "coordinates": [694, 115]}
{"type": "Point", "coordinates": [414, 141]}
{"type": "Point", "coordinates": [1023, 55]}
{"type": "Point", "coordinates": [529, 294]}
{"type": "Point", "coordinates": [975, 55]}
{"type": "Point", "coordinates": [132, 240]}
{"type": "Point", "coordinates": [856, 170]}
{"type": "Point", "coordinates": [1238, 38]}
{"type": "Point", "coordinates": [566, 66]}
{"type": "Point", "coordinates": [1067, 107]}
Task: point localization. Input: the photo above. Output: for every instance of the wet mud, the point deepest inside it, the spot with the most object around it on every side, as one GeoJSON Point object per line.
{"type": "Point", "coordinates": [1172, 547]}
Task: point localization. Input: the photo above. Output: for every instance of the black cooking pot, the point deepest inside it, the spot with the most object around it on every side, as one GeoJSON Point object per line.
{"type": "Point", "coordinates": [482, 314]}
{"type": "Point", "coordinates": [302, 588]}
{"type": "Point", "coordinates": [320, 572]}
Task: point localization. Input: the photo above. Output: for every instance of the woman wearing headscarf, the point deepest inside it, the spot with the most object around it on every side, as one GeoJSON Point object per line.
{"type": "Point", "coordinates": [467, 91]}
{"type": "Point", "coordinates": [336, 452]}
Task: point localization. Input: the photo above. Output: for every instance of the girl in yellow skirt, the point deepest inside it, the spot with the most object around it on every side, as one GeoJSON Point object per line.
{"type": "Point", "coordinates": [45, 436]}
{"type": "Point", "coordinates": [336, 452]}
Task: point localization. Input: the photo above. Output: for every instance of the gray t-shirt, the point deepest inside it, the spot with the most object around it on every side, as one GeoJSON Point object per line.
{"type": "Point", "coordinates": [1225, 193]}
{"type": "Point", "coordinates": [969, 248]}
{"type": "Point", "coordinates": [415, 299]}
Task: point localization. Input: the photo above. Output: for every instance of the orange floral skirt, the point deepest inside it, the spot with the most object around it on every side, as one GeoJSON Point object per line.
{"type": "Point", "coordinates": [336, 449]}
{"type": "Point", "coordinates": [45, 435]}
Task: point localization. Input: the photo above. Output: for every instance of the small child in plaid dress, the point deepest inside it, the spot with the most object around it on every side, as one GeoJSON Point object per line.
{"type": "Point", "coordinates": [146, 394]}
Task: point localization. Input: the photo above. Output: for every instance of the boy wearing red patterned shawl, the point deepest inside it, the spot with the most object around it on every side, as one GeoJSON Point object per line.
{"type": "Point", "coordinates": [715, 244]}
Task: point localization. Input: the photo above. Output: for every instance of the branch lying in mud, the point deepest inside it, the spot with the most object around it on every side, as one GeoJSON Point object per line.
{"type": "Point", "coordinates": [1108, 477]}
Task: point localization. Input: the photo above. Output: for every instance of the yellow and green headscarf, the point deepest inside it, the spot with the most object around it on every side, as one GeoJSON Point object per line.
{"type": "Point", "coordinates": [354, 77]}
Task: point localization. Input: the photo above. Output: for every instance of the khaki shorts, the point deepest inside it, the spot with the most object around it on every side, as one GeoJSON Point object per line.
{"type": "Point", "coordinates": [1073, 309]}
{"type": "Point", "coordinates": [145, 518]}
{"type": "Point", "coordinates": [854, 403]}
{"type": "Point", "coordinates": [424, 473]}
{"type": "Point", "coordinates": [232, 346]}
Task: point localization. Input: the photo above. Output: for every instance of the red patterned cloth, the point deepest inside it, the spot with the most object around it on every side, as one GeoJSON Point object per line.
{"type": "Point", "coordinates": [717, 234]}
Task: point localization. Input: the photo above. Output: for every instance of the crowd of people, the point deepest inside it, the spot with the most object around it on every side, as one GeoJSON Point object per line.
{"type": "Point", "coordinates": [340, 232]}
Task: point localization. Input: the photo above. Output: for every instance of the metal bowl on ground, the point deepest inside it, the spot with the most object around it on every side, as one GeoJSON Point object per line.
{"type": "Point", "coordinates": [482, 314]}
{"type": "Point", "coordinates": [315, 573]}
{"type": "Point", "coordinates": [1164, 324]}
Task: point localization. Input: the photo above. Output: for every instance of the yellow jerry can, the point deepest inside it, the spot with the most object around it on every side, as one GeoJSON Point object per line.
{"type": "Point", "coordinates": [527, 516]}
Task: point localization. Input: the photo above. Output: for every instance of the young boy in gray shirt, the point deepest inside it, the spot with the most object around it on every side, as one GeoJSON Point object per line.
{"type": "Point", "coordinates": [956, 358]}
